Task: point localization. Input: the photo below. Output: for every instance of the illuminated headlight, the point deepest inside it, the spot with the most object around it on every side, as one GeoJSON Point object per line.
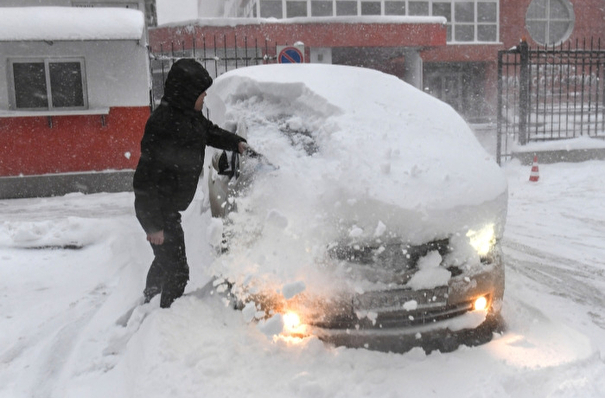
{"type": "Point", "coordinates": [480, 304]}
{"type": "Point", "coordinates": [291, 322]}
{"type": "Point", "coordinates": [483, 240]}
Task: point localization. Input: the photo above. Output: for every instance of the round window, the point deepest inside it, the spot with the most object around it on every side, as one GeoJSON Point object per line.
{"type": "Point", "coordinates": [550, 21]}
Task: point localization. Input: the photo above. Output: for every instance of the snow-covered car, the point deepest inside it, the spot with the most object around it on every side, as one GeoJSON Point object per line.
{"type": "Point", "coordinates": [373, 217]}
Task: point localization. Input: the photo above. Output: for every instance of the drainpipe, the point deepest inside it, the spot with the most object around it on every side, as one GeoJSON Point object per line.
{"type": "Point", "coordinates": [524, 81]}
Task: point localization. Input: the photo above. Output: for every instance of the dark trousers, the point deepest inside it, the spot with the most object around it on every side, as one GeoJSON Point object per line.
{"type": "Point", "coordinates": [169, 271]}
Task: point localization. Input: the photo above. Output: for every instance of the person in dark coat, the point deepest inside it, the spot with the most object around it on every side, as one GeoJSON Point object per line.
{"type": "Point", "coordinates": [166, 178]}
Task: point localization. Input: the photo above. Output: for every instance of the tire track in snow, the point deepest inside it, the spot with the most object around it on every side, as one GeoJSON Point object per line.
{"type": "Point", "coordinates": [567, 278]}
{"type": "Point", "coordinates": [55, 352]}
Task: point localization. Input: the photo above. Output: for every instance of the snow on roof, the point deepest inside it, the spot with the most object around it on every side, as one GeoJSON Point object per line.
{"type": "Point", "coordinates": [70, 23]}
{"type": "Point", "coordinates": [310, 20]}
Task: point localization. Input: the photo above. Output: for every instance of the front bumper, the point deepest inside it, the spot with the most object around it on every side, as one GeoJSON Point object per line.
{"type": "Point", "coordinates": [438, 336]}
{"type": "Point", "coordinates": [439, 319]}
{"type": "Point", "coordinates": [443, 321]}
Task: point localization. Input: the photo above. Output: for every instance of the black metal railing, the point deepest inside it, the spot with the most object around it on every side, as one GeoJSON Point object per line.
{"type": "Point", "coordinates": [550, 93]}
{"type": "Point", "coordinates": [218, 55]}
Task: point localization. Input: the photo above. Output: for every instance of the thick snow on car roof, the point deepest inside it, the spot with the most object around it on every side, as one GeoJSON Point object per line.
{"type": "Point", "coordinates": [414, 143]}
{"type": "Point", "coordinates": [364, 159]}
{"type": "Point", "coordinates": [379, 151]}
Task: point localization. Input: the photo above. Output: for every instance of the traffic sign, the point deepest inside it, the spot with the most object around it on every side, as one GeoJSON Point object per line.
{"type": "Point", "coordinates": [290, 55]}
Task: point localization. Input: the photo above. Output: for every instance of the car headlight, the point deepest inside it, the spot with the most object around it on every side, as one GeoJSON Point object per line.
{"type": "Point", "coordinates": [483, 240]}
{"type": "Point", "coordinates": [291, 321]}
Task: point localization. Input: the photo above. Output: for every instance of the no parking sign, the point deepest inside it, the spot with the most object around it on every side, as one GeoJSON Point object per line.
{"type": "Point", "coordinates": [290, 54]}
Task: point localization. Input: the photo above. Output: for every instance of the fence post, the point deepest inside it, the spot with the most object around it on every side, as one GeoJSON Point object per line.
{"type": "Point", "coordinates": [524, 82]}
{"type": "Point", "coordinates": [500, 116]}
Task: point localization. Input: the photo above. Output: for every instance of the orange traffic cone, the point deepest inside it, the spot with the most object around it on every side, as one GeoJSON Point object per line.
{"type": "Point", "coordinates": [535, 172]}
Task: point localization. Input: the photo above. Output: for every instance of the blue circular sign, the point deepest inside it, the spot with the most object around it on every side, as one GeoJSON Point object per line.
{"type": "Point", "coordinates": [290, 55]}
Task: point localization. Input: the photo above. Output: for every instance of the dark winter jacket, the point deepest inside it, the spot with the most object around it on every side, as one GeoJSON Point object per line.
{"type": "Point", "coordinates": [173, 147]}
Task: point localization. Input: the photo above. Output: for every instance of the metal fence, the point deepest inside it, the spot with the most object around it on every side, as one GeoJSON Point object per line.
{"type": "Point", "coordinates": [549, 93]}
{"type": "Point", "coordinates": [218, 54]}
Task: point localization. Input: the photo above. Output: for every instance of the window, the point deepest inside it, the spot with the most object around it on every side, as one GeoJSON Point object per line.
{"type": "Point", "coordinates": [419, 8]}
{"type": "Point", "coordinates": [444, 10]}
{"type": "Point", "coordinates": [394, 7]}
{"type": "Point", "coordinates": [464, 18]}
{"type": "Point", "coordinates": [475, 21]}
{"type": "Point", "coordinates": [43, 84]}
{"type": "Point", "coordinates": [296, 9]}
{"type": "Point", "coordinates": [271, 9]}
{"type": "Point", "coordinates": [370, 8]}
{"type": "Point", "coordinates": [346, 8]}
{"type": "Point", "coordinates": [468, 21]}
{"type": "Point", "coordinates": [321, 8]}
{"type": "Point", "coordinates": [550, 21]}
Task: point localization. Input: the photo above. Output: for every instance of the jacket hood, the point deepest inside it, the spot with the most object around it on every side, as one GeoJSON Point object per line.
{"type": "Point", "coordinates": [186, 80]}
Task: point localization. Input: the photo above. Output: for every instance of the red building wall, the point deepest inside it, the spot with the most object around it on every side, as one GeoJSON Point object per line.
{"type": "Point", "coordinates": [589, 25]}
{"type": "Point", "coordinates": [78, 143]}
{"type": "Point", "coordinates": [311, 34]}
{"type": "Point", "coordinates": [430, 38]}
{"type": "Point", "coordinates": [589, 21]}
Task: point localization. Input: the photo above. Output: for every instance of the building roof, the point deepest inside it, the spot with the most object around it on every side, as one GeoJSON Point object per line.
{"type": "Point", "coordinates": [70, 23]}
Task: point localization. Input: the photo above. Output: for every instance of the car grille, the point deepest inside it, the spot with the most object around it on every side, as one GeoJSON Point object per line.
{"type": "Point", "coordinates": [391, 263]}
{"type": "Point", "coordinates": [394, 319]}
{"type": "Point", "coordinates": [393, 256]}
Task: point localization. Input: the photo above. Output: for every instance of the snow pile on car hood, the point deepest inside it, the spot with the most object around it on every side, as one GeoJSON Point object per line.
{"type": "Point", "coordinates": [361, 155]}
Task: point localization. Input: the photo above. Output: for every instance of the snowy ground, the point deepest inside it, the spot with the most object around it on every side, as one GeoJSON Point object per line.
{"type": "Point", "coordinates": [59, 307]}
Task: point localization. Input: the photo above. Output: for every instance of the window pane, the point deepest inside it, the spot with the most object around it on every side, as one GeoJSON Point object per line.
{"type": "Point", "coordinates": [537, 30]}
{"type": "Point", "coordinates": [537, 9]}
{"type": "Point", "coordinates": [464, 12]}
{"type": "Point", "coordinates": [296, 9]}
{"type": "Point", "coordinates": [465, 32]}
{"type": "Point", "coordinates": [271, 8]}
{"type": "Point", "coordinates": [487, 12]}
{"type": "Point", "coordinates": [419, 8]}
{"type": "Point", "coordinates": [558, 10]}
{"type": "Point", "coordinates": [346, 8]}
{"type": "Point", "coordinates": [66, 84]}
{"type": "Point", "coordinates": [487, 33]}
{"type": "Point", "coordinates": [370, 8]}
{"type": "Point", "coordinates": [30, 85]}
{"type": "Point", "coordinates": [557, 31]}
{"type": "Point", "coordinates": [394, 8]}
{"type": "Point", "coordinates": [321, 8]}
{"type": "Point", "coordinates": [443, 10]}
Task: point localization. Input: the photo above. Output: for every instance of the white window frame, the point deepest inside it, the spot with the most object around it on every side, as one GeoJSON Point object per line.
{"type": "Point", "coordinates": [452, 23]}
{"type": "Point", "coordinates": [47, 61]}
{"type": "Point", "coordinates": [548, 20]}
